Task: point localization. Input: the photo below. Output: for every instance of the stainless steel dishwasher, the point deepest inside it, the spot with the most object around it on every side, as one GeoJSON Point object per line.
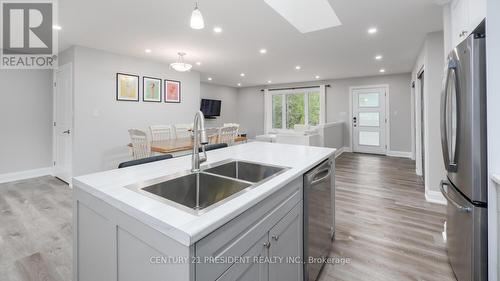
{"type": "Point", "coordinates": [319, 216]}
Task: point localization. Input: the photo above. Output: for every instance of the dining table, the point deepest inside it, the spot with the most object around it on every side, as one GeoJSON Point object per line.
{"type": "Point", "coordinates": [176, 145]}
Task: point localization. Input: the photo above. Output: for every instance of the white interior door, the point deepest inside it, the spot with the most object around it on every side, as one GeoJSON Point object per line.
{"type": "Point", "coordinates": [369, 120]}
{"type": "Point", "coordinates": [63, 122]}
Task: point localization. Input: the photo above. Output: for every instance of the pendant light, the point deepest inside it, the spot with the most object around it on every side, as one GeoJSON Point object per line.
{"type": "Point", "coordinates": [180, 65]}
{"type": "Point", "coordinates": [197, 21]}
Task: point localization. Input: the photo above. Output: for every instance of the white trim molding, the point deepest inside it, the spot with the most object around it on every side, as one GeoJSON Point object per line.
{"type": "Point", "coordinates": [25, 174]}
{"type": "Point", "coordinates": [434, 197]}
{"type": "Point", "coordinates": [339, 152]}
{"type": "Point", "coordinates": [403, 154]}
{"type": "Point", "coordinates": [347, 149]}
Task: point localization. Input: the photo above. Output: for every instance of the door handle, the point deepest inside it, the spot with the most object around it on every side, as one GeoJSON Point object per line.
{"type": "Point", "coordinates": [67, 132]}
{"type": "Point", "coordinates": [460, 208]}
{"type": "Point", "coordinates": [451, 166]}
{"type": "Point", "coordinates": [328, 172]}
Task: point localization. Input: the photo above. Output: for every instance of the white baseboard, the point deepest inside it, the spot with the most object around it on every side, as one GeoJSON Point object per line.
{"type": "Point", "coordinates": [435, 197]}
{"type": "Point", "coordinates": [339, 152]}
{"type": "Point", "coordinates": [25, 174]}
{"type": "Point", "coordinates": [347, 149]}
{"type": "Point", "coordinates": [402, 154]}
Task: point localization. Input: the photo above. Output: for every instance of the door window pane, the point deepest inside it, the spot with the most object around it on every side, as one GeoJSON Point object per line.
{"type": "Point", "coordinates": [277, 111]}
{"type": "Point", "coordinates": [294, 110]}
{"type": "Point", "coordinates": [368, 100]}
{"type": "Point", "coordinates": [369, 119]}
{"type": "Point", "coordinates": [313, 100]}
{"type": "Point", "coordinates": [369, 138]}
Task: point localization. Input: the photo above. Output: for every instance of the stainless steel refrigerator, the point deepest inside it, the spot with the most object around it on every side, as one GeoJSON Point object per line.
{"type": "Point", "coordinates": [463, 137]}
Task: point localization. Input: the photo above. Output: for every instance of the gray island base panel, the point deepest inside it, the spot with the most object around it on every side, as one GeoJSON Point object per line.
{"type": "Point", "coordinates": [263, 241]}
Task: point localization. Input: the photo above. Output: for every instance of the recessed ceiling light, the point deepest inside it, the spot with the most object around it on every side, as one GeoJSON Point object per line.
{"type": "Point", "coordinates": [269, 82]}
{"type": "Point", "coordinates": [242, 74]}
{"type": "Point", "coordinates": [378, 57]}
{"type": "Point", "coordinates": [317, 77]}
{"type": "Point", "coordinates": [372, 30]}
{"type": "Point", "coordinates": [239, 84]}
{"type": "Point", "coordinates": [209, 78]}
{"type": "Point", "coordinates": [381, 70]}
{"type": "Point", "coordinates": [56, 27]}
{"type": "Point", "coordinates": [198, 63]}
{"type": "Point", "coordinates": [262, 51]}
{"type": "Point", "coordinates": [298, 67]}
{"type": "Point", "coordinates": [148, 51]}
{"type": "Point", "coordinates": [217, 29]}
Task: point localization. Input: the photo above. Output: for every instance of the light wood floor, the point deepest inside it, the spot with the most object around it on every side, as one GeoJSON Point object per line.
{"type": "Point", "coordinates": [35, 230]}
{"type": "Point", "coordinates": [384, 226]}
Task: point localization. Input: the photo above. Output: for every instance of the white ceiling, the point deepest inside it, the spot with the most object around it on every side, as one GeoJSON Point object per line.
{"type": "Point", "coordinates": [131, 26]}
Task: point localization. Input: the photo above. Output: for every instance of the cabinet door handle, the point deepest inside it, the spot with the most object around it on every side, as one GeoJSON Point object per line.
{"type": "Point", "coordinates": [267, 245]}
{"type": "Point", "coordinates": [276, 237]}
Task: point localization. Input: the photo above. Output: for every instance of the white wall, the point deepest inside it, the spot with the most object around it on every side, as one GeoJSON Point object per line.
{"type": "Point", "coordinates": [229, 98]}
{"type": "Point", "coordinates": [251, 106]}
{"type": "Point", "coordinates": [101, 122]}
{"type": "Point", "coordinates": [493, 103]}
{"type": "Point", "coordinates": [25, 120]}
{"type": "Point", "coordinates": [431, 59]}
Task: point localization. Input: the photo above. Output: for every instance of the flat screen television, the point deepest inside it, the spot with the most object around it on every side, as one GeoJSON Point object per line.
{"type": "Point", "coordinates": [210, 108]}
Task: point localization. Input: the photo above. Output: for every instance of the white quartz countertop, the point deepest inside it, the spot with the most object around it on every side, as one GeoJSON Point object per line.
{"type": "Point", "coordinates": [185, 227]}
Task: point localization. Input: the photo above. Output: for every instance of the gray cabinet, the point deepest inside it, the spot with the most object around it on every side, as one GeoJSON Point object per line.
{"type": "Point", "coordinates": [276, 256]}
{"type": "Point", "coordinates": [251, 269]}
{"type": "Point", "coordinates": [286, 245]}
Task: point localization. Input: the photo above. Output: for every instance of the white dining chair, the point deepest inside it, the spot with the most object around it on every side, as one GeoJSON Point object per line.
{"type": "Point", "coordinates": [213, 135]}
{"type": "Point", "coordinates": [141, 148]}
{"type": "Point", "coordinates": [160, 132]}
{"type": "Point", "coordinates": [182, 130]}
{"type": "Point", "coordinates": [227, 134]}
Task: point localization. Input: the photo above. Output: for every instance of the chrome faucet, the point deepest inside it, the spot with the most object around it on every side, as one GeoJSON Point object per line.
{"type": "Point", "coordinates": [200, 138]}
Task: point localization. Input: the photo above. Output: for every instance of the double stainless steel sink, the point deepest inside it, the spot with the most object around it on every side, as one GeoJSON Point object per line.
{"type": "Point", "coordinates": [215, 184]}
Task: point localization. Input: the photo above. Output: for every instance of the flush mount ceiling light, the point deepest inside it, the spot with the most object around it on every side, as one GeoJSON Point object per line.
{"type": "Point", "coordinates": [180, 65]}
{"type": "Point", "coordinates": [239, 84]}
{"type": "Point", "coordinates": [298, 67]}
{"type": "Point", "coordinates": [217, 29]}
{"type": "Point", "coordinates": [198, 63]}
{"type": "Point", "coordinates": [263, 51]}
{"type": "Point", "coordinates": [147, 51]}
{"type": "Point", "coordinates": [269, 82]}
{"type": "Point", "coordinates": [197, 21]}
{"type": "Point", "coordinates": [372, 30]}
{"type": "Point", "coordinates": [242, 74]}
{"type": "Point", "coordinates": [378, 57]}
{"type": "Point", "coordinates": [381, 70]}
{"type": "Point", "coordinates": [209, 78]}
{"type": "Point", "coordinates": [306, 15]}
{"type": "Point", "coordinates": [317, 77]}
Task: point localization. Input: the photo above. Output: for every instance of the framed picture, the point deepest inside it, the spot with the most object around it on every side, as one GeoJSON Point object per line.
{"type": "Point", "coordinates": [151, 89]}
{"type": "Point", "coordinates": [127, 87]}
{"type": "Point", "coordinates": [172, 91]}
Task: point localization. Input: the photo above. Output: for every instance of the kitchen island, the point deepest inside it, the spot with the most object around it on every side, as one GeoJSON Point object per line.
{"type": "Point", "coordinates": [122, 233]}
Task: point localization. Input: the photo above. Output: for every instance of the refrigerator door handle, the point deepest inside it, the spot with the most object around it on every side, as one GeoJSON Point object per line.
{"type": "Point", "coordinates": [460, 208]}
{"type": "Point", "coordinates": [449, 164]}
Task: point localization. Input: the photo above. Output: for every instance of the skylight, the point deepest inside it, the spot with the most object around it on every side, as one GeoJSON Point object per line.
{"type": "Point", "coordinates": [306, 15]}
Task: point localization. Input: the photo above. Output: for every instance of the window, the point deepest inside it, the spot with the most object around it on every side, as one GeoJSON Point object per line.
{"type": "Point", "coordinates": [294, 107]}
{"type": "Point", "coordinates": [277, 112]}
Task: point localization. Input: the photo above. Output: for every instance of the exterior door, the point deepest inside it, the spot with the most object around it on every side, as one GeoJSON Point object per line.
{"type": "Point", "coordinates": [63, 122]}
{"type": "Point", "coordinates": [369, 120]}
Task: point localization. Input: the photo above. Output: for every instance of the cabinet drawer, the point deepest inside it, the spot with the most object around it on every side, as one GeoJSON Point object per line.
{"type": "Point", "coordinates": [240, 234]}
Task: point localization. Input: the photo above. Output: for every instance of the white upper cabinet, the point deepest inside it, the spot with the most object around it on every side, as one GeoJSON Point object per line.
{"type": "Point", "coordinates": [466, 15]}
